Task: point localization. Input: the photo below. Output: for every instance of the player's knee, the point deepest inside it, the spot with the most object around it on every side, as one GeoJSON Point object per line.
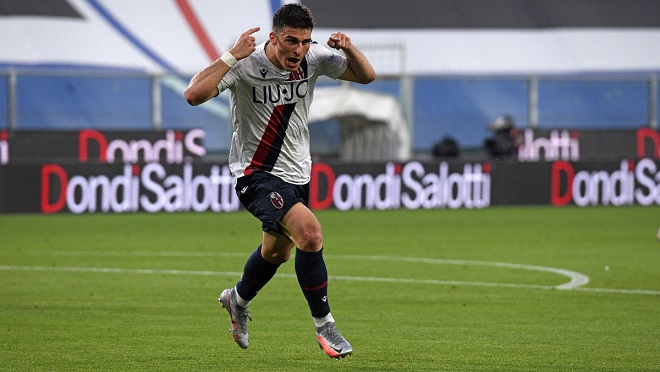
{"type": "Point", "coordinates": [310, 240]}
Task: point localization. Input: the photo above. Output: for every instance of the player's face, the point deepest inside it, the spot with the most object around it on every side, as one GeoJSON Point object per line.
{"type": "Point", "coordinates": [290, 46]}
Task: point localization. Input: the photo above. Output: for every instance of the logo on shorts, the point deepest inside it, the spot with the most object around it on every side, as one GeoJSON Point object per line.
{"type": "Point", "coordinates": [276, 200]}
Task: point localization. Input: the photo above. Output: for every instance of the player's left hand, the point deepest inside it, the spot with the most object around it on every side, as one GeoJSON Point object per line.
{"type": "Point", "coordinates": [339, 40]}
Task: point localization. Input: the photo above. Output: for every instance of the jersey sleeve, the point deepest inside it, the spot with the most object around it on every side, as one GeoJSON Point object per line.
{"type": "Point", "coordinates": [230, 78]}
{"type": "Point", "coordinates": [330, 64]}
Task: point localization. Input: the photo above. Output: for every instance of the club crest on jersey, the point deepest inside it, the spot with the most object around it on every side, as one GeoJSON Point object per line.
{"type": "Point", "coordinates": [297, 75]}
{"type": "Point", "coordinates": [276, 200]}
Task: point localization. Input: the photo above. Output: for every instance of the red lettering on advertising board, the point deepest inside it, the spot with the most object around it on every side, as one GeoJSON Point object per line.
{"type": "Point", "coordinates": [559, 168]}
{"type": "Point", "coordinates": [47, 171]}
{"type": "Point", "coordinates": [317, 171]}
{"type": "Point", "coordinates": [4, 148]}
{"type": "Point", "coordinates": [642, 135]}
{"type": "Point", "coordinates": [83, 144]}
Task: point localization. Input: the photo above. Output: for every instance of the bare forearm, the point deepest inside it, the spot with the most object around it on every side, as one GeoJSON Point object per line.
{"type": "Point", "coordinates": [359, 69]}
{"type": "Point", "coordinates": [204, 85]}
{"type": "Point", "coordinates": [362, 70]}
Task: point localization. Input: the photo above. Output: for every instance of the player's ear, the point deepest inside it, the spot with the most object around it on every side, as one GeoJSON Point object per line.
{"type": "Point", "coordinates": [272, 37]}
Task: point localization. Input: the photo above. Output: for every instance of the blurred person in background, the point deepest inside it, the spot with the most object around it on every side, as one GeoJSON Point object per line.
{"type": "Point", "coordinates": [505, 140]}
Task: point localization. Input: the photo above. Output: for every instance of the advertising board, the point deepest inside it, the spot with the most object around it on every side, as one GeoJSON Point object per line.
{"type": "Point", "coordinates": [90, 171]}
{"type": "Point", "coordinates": [201, 187]}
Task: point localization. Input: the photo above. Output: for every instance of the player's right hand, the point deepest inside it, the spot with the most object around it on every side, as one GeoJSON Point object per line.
{"type": "Point", "coordinates": [245, 45]}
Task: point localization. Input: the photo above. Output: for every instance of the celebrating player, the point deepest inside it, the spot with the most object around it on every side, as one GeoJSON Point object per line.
{"type": "Point", "coordinates": [271, 87]}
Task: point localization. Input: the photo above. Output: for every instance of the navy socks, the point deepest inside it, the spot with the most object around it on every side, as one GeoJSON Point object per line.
{"type": "Point", "coordinates": [313, 279]}
{"type": "Point", "coordinates": [256, 273]}
{"type": "Point", "coordinates": [310, 270]}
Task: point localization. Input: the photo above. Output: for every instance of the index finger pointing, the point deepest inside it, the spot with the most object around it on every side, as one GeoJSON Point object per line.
{"type": "Point", "coordinates": [251, 31]}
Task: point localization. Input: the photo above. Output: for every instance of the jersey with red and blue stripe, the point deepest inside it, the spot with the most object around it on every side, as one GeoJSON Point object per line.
{"type": "Point", "coordinates": [269, 108]}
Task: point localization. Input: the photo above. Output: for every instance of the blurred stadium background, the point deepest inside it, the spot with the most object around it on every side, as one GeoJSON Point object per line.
{"type": "Point", "coordinates": [478, 103]}
{"type": "Point", "coordinates": [459, 81]}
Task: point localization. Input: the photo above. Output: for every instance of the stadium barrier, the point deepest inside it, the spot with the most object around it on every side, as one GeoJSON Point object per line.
{"type": "Point", "coordinates": [202, 187]}
{"type": "Point", "coordinates": [90, 171]}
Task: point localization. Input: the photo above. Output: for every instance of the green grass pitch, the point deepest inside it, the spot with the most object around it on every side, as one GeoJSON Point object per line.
{"type": "Point", "coordinates": [471, 290]}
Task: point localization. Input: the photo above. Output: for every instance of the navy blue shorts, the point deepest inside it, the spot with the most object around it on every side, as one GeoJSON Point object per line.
{"type": "Point", "coordinates": [269, 197]}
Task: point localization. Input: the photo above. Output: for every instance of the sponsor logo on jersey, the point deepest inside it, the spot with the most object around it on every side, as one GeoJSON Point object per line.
{"type": "Point", "coordinates": [276, 93]}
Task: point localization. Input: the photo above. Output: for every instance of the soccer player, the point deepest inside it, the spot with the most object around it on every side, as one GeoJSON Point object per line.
{"type": "Point", "coordinates": [271, 87]}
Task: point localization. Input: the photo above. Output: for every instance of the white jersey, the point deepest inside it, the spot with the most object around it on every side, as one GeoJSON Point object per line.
{"type": "Point", "coordinates": [269, 109]}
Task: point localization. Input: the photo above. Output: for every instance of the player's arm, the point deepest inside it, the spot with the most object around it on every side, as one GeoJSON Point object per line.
{"type": "Point", "coordinates": [359, 69]}
{"type": "Point", "coordinates": [204, 85]}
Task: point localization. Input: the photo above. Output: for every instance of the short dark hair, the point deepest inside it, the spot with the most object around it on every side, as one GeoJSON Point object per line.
{"type": "Point", "coordinates": [293, 15]}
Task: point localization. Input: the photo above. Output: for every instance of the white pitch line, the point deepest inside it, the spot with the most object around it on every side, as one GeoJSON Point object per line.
{"type": "Point", "coordinates": [112, 270]}
{"type": "Point", "coordinates": [136, 253]}
{"type": "Point", "coordinates": [576, 279]}
{"type": "Point", "coordinates": [345, 278]}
